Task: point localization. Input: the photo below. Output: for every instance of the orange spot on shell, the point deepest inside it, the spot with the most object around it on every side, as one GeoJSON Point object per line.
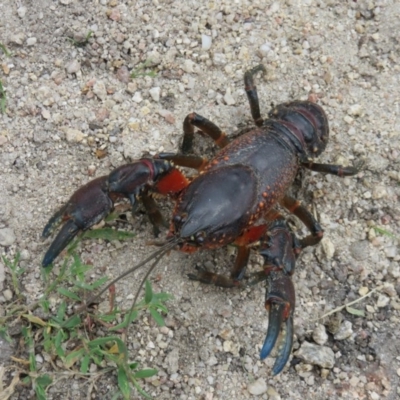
{"type": "Point", "coordinates": [265, 194]}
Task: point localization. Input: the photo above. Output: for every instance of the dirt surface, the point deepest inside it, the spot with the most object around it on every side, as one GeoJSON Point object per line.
{"type": "Point", "coordinates": [73, 112]}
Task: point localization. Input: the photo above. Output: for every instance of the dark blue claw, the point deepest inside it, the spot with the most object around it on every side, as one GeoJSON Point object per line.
{"type": "Point", "coordinates": [64, 237]}
{"type": "Point", "coordinates": [279, 247]}
{"type": "Point", "coordinates": [274, 327]}
{"type": "Point", "coordinates": [86, 207]}
{"type": "Point", "coordinates": [285, 347]}
{"type": "Point", "coordinates": [280, 302]}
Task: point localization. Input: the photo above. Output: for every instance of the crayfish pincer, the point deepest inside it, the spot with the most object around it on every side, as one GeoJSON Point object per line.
{"type": "Point", "coordinates": [232, 200]}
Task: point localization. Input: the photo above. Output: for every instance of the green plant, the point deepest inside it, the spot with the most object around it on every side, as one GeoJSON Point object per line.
{"type": "Point", "coordinates": [384, 232]}
{"type": "Point", "coordinates": [142, 70]}
{"type": "Point", "coordinates": [4, 49]}
{"type": "Point", "coordinates": [71, 337]}
{"type": "Point", "coordinates": [80, 42]}
{"type": "Point", "coordinates": [3, 98]}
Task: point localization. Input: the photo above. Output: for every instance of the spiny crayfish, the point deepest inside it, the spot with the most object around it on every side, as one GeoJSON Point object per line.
{"type": "Point", "coordinates": [231, 201]}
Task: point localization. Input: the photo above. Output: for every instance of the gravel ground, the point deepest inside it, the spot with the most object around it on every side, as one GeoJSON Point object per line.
{"type": "Point", "coordinates": [74, 113]}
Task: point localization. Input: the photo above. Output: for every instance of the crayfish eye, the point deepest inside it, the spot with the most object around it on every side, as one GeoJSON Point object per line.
{"type": "Point", "coordinates": [200, 237]}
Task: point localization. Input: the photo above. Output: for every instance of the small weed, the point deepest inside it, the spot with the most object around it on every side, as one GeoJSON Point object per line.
{"type": "Point", "coordinates": [4, 49]}
{"type": "Point", "coordinates": [3, 98]}
{"type": "Point", "coordinates": [384, 232]}
{"type": "Point", "coordinates": [80, 42]}
{"type": "Point", "coordinates": [142, 70]}
{"type": "Point", "coordinates": [69, 338]}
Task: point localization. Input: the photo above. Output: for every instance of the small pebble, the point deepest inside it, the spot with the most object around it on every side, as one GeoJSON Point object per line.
{"type": "Point", "coordinates": [228, 98]}
{"type": "Point", "coordinates": [7, 237]}
{"type": "Point", "coordinates": [328, 247]}
{"type": "Point", "coordinates": [137, 97]}
{"type": "Point", "coordinates": [319, 335]}
{"type": "Point", "coordinates": [73, 135]}
{"type": "Point", "coordinates": [21, 11]}
{"type": "Point", "coordinates": [257, 387]}
{"type": "Point", "coordinates": [206, 42]}
{"type": "Point", "coordinates": [383, 301]}
{"type": "Point", "coordinates": [8, 295]}
{"type": "Point", "coordinates": [317, 355]}
{"type": "Point", "coordinates": [99, 89]}
{"type": "Point", "coordinates": [155, 93]}
{"type": "Point", "coordinates": [360, 250]}
{"type": "Point", "coordinates": [31, 41]}
{"type": "Point", "coordinates": [345, 330]}
{"type": "Point", "coordinates": [73, 67]}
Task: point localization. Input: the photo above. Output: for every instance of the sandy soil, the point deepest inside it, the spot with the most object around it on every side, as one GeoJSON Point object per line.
{"type": "Point", "coordinates": [68, 106]}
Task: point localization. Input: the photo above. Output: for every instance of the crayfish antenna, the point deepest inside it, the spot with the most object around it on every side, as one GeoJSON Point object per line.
{"type": "Point", "coordinates": [156, 256]}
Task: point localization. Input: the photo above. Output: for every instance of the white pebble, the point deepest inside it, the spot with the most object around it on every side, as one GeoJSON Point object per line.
{"type": "Point", "coordinates": [155, 93]}
{"type": "Point", "coordinates": [383, 301]}
{"type": "Point", "coordinates": [73, 135]}
{"type": "Point", "coordinates": [206, 42]}
{"type": "Point", "coordinates": [21, 11]}
{"type": "Point", "coordinates": [319, 335]}
{"type": "Point", "coordinates": [73, 67]}
{"type": "Point", "coordinates": [31, 41]}
{"type": "Point", "coordinates": [99, 89]}
{"type": "Point", "coordinates": [188, 66]}
{"type": "Point", "coordinates": [355, 110]}
{"type": "Point", "coordinates": [137, 97]}
{"type": "Point", "coordinates": [229, 100]}
{"type": "Point", "coordinates": [345, 331]}
{"type": "Point", "coordinates": [257, 387]}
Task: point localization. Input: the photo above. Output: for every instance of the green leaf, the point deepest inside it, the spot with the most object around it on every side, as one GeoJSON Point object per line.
{"type": "Point", "coordinates": [5, 51]}
{"type": "Point", "coordinates": [157, 317]}
{"type": "Point", "coordinates": [148, 293]}
{"type": "Point", "coordinates": [58, 341]}
{"type": "Point", "coordinates": [68, 293]}
{"type": "Point", "coordinates": [72, 322]}
{"type": "Point", "coordinates": [74, 357]}
{"type": "Point", "coordinates": [61, 311]}
{"type": "Point", "coordinates": [133, 365]}
{"type": "Point", "coordinates": [32, 361]}
{"type": "Point", "coordinates": [145, 373]}
{"type": "Point", "coordinates": [44, 380]}
{"type": "Point", "coordinates": [123, 383]}
{"type": "Point", "coordinates": [355, 311]}
{"type": "Point", "coordinates": [90, 286]}
{"type": "Point", "coordinates": [107, 234]}
{"type": "Point", "coordinates": [141, 391]}
{"type": "Point", "coordinates": [85, 364]}
{"type": "Point", "coordinates": [127, 320]}
{"type": "Point", "coordinates": [40, 392]}
{"type": "Point", "coordinates": [161, 297]}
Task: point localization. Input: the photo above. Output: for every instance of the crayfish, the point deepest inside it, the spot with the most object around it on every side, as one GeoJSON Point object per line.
{"type": "Point", "coordinates": [232, 200]}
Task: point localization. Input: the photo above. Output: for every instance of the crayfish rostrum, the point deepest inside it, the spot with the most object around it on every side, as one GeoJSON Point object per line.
{"type": "Point", "coordinates": [231, 201]}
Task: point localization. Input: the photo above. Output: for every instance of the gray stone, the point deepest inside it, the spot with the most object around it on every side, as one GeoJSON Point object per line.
{"type": "Point", "coordinates": [318, 355]}
{"type": "Point", "coordinates": [257, 387]}
{"type": "Point", "coordinates": [7, 237]}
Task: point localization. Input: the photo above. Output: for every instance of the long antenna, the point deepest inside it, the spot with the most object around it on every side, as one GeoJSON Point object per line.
{"type": "Point", "coordinates": [157, 255]}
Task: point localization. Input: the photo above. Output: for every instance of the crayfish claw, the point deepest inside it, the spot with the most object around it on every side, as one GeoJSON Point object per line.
{"type": "Point", "coordinates": [54, 222]}
{"type": "Point", "coordinates": [274, 328]}
{"type": "Point", "coordinates": [280, 302]}
{"type": "Point", "coordinates": [63, 238]}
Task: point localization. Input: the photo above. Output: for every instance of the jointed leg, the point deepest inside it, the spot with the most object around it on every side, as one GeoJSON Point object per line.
{"type": "Point", "coordinates": [237, 272]}
{"type": "Point", "coordinates": [307, 218]}
{"type": "Point", "coordinates": [206, 126]}
{"type": "Point", "coordinates": [252, 95]}
{"type": "Point", "coordinates": [332, 169]}
{"type": "Point", "coordinates": [184, 160]}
